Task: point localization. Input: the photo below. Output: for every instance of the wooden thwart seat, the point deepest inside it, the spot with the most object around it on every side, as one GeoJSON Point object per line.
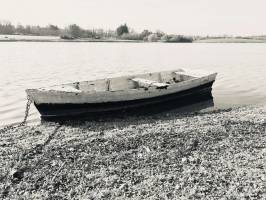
{"type": "Point", "coordinates": [149, 83]}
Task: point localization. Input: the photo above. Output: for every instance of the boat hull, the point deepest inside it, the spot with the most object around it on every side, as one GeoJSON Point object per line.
{"type": "Point", "coordinates": [122, 108]}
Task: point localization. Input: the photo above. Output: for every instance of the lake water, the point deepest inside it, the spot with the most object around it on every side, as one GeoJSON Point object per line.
{"type": "Point", "coordinates": [241, 68]}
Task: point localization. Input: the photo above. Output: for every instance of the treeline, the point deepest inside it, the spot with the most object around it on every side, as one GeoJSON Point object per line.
{"type": "Point", "coordinates": [73, 31]}
{"type": "Point", "coordinates": [9, 29]}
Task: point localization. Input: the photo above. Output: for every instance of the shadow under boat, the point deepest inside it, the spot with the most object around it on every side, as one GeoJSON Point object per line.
{"type": "Point", "coordinates": [187, 103]}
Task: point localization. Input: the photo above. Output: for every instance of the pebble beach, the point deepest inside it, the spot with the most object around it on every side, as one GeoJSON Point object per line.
{"type": "Point", "coordinates": [218, 154]}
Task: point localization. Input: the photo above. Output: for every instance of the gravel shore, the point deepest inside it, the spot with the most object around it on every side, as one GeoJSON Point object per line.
{"type": "Point", "coordinates": [205, 155]}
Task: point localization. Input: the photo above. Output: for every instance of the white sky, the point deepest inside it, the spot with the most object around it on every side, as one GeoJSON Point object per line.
{"type": "Point", "coordinates": [193, 17]}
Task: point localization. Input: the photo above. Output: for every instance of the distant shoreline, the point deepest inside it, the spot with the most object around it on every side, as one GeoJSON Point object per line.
{"type": "Point", "coordinates": [61, 40]}
{"type": "Point", "coordinates": [56, 39]}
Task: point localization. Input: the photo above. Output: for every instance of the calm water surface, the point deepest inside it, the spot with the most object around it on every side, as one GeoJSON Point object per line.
{"type": "Point", "coordinates": [241, 68]}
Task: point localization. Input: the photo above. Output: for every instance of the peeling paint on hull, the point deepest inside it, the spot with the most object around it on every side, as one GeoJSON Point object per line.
{"type": "Point", "coordinates": [122, 108]}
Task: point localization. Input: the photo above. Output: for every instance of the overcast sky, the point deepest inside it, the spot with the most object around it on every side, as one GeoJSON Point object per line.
{"type": "Point", "coordinates": [193, 17]}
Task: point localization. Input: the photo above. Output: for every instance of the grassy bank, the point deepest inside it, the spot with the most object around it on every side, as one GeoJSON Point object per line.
{"type": "Point", "coordinates": [202, 155]}
{"type": "Point", "coordinates": [231, 40]}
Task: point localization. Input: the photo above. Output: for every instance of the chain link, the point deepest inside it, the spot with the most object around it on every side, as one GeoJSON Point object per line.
{"type": "Point", "coordinates": [11, 127]}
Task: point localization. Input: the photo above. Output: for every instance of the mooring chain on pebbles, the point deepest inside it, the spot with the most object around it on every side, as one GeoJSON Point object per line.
{"type": "Point", "coordinates": [11, 127]}
{"type": "Point", "coordinates": [17, 173]}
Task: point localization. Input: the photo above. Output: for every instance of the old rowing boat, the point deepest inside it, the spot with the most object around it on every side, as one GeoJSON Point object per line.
{"type": "Point", "coordinates": [126, 94]}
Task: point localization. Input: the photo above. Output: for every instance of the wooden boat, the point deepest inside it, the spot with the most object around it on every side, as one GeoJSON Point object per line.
{"type": "Point", "coordinates": [127, 94]}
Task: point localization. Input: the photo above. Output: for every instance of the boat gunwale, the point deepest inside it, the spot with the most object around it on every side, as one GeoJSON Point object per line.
{"type": "Point", "coordinates": [47, 89]}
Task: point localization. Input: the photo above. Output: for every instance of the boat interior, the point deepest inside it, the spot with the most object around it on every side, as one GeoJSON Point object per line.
{"type": "Point", "coordinates": [159, 80]}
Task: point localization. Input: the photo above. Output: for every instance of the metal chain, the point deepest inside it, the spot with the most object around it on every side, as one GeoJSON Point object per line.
{"type": "Point", "coordinates": [11, 127]}
{"type": "Point", "coordinates": [29, 101]}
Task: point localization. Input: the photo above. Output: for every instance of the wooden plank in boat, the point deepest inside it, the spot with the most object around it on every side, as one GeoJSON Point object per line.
{"type": "Point", "coordinates": [61, 89]}
{"type": "Point", "coordinates": [148, 83]}
{"type": "Point", "coordinates": [183, 76]}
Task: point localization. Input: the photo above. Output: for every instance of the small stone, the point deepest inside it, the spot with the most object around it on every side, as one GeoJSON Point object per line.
{"type": "Point", "coordinates": [184, 160]}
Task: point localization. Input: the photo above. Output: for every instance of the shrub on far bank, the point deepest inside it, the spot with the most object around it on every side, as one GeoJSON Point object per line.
{"type": "Point", "coordinates": [156, 37]}
{"type": "Point", "coordinates": [122, 29]}
{"type": "Point", "coordinates": [143, 36]}
{"type": "Point", "coordinates": [66, 37]}
{"type": "Point", "coordinates": [176, 39]}
{"type": "Point", "coordinates": [153, 38]}
{"type": "Point", "coordinates": [75, 31]}
{"type": "Point", "coordinates": [132, 36]}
